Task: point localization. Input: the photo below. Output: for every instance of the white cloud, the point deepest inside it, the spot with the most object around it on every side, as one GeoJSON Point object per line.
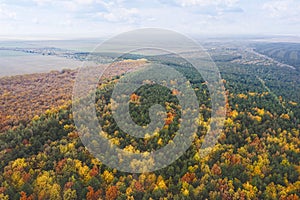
{"type": "Point", "coordinates": [119, 15]}
{"type": "Point", "coordinates": [186, 3]}
{"type": "Point", "coordinates": [6, 13]}
{"type": "Point", "coordinates": [85, 2]}
{"type": "Point", "coordinates": [42, 2]}
{"type": "Point", "coordinates": [94, 17]}
{"type": "Point", "coordinates": [277, 8]}
{"type": "Point", "coordinates": [286, 11]}
{"type": "Point", "coordinates": [117, 12]}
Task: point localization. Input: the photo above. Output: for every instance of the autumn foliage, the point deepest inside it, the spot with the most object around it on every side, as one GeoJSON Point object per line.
{"type": "Point", "coordinates": [256, 155]}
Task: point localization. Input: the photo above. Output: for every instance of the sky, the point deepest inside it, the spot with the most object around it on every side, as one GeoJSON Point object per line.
{"type": "Point", "coordinates": [100, 18]}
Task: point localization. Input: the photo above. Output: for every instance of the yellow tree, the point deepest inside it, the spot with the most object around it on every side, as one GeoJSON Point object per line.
{"type": "Point", "coordinates": [55, 192]}
{"type": "Point", "coordinates": [271, 191]}
{"type": "Point", "coordinates": [70, 194]}
{"type": "Point", "coordinates": [108, 176]}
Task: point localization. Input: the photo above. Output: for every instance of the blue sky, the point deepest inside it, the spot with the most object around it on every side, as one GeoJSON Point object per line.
{"type": "Point", "coordinates": [97, 18]}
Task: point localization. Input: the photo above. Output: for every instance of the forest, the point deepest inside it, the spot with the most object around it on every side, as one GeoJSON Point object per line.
{"type": "Point", "coordinates": [257, 155]}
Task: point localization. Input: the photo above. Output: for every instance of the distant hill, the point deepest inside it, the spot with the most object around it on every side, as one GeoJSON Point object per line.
{"type": "Point", "coordinates": [287, 53]}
